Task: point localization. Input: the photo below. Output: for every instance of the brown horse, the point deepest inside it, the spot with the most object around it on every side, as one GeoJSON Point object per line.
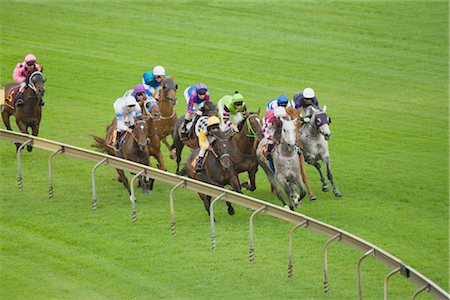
{"type": "Point", "coordinates": [243, 148]}
{"type": "Point", "coordinates": [217, 168]}
{"type": "Point", "coordinates": [152, 114]}
{"type": "Point", "coordinates": [134, 148]}
{"type": "Point", "coordinates": [29, 114]}
{"type": "Point", "coordinates": [166, 101]}
{"type": "Point", "coordinates": [210, 109]}
{"type": "Point", "coordinates": [294, 114]}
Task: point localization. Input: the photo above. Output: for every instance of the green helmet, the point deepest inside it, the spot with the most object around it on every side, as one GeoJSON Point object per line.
{"type": "Point", "coordinates": [238, 99]}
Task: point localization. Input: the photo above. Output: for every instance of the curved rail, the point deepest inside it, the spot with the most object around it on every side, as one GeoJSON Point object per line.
{"type": "Point", "coordinates": [273, 210]}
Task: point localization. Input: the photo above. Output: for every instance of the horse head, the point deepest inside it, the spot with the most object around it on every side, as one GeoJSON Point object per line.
{"type": "Point", "coordinates": [253, 125]}
{"type": "Point", "coordinates": [152, 110]}
{"type": "Point", "coordinates": [321, 122]}
{"type": "Point", "coordinates": [210, 109]}
{"type": "Point", "coordinates": [222, 150]}
{"type": "Point", "coordinates": [36, 82]}
{"type": "Point", "coordinates": [169, 91]}
{"type": "Point", "coordinates": [140, 134]}
{"type": "Point", "coordinates": [288, 136]}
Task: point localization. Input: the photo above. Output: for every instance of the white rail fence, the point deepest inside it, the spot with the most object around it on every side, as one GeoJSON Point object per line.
{"type": "Point", "coordinates": [259, 206]}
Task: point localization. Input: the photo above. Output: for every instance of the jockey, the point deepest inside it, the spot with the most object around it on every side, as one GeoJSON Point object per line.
{"type": "Point", "coordinates": [304, 100]}
{"type": "Point", "coordinates": [271, 122]}
{"type": "Point", "coordinates": [282, 100]}
{"type": "Point", "coordinates": [126, 109]}
{"type": "Point", "coordinates": [234, 108]}
{"type": "Point", "coordinates": [205, 140]}
{"type": "Point", "coordinates": [139, 93]}
{"type": "Point", "coordinates": [195, 96]}
{"type": "Point", "coordinates": [152, 80]}
{"type": "Point", "coordinates": [21, 72]}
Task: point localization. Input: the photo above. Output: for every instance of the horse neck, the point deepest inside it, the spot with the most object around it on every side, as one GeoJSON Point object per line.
{"type": "Point", "coordinates": [243, 142]}
{"type": "Point", "coordinates": [31, 100]}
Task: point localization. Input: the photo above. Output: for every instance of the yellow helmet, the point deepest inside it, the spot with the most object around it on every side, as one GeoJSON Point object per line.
{"type": "Point", "coordinates": [213, 121]}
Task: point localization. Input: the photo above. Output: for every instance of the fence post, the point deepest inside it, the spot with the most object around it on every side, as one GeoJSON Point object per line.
{"type": "Point", "coordinates": [94, 195]}
{"type": "Point", "coordinates": [19, 164]}
{"type": "Point", "coordinates": [290, 266]}
{"type": "Point", "coordinates": [386, 279]}
{"type": "Point", "coordinates": [252, 247]}
{"type": "Point", "coordinates": [325, 257]}
{"type": "Point", "coordinates": [426, 287]}
{"type": "Point", "coordinates": [358, 270]}
{"type": "Point", "coordinates": [211, 219]}
{"type": "Point", "coordinates": [173, 225]}
{"type": "Point", "coordinates": [132, 198]}
{"type": "Point", "coordinates": [50, 176]}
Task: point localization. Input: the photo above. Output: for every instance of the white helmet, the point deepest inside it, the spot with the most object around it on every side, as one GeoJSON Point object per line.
{"type": "Point", "coordinates": [308, 93]}
{"type": "Point", "coordinates": [159, 71]}
{"type": "Point", "coordinates": [129, 100]}
{"type": "Point", "coordinates": [279, 112]}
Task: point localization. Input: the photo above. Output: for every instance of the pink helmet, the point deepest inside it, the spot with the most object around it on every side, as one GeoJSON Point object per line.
{"type": "Point", "coordinates": [30, 58]}
{"type": "Point", "coordinates": [139, 88]}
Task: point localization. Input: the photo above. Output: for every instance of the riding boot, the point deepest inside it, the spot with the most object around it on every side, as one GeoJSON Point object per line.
{"type": "Point", "coordinates": [199, 165]}
{"type": "Point", "coordinates": [118, 138]}
{"type": "Point", "coordinates": [269, 156]}
{"type": "Point", "coordinates": [19, 100]}
{"type": "Point", "coordinates": [184, 131]}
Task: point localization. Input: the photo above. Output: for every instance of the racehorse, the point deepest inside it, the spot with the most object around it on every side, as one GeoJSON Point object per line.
{"type": "Point", "coordinates": [314, 135]}
{"type": "Point", "coordinates": [217, 168]}
{"type": "Point", "coordinates": [209, 109]}
{"type": "Point", "coordinates": [152, 114]}
{"type": "Point", "coordinates": [243, 146]}
{"type": "Point", "coordinates": [29, 114]}
{"type": "Point", "coordinates": [134, 148]}
{"type": "Point", "coordinates": [294, 114]}
{"type": "Point", "coordinates": [287, 166]}
{"type": "Point", "coordinates": [166, 101]}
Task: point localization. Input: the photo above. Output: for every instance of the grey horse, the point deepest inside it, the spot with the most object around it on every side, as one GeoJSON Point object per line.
{"type": "Point", "coordinates": [314, 134]}
{"type": "Point", "coordinates": [287, 166]}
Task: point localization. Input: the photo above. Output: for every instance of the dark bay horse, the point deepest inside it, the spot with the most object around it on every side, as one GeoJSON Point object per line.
{"type": "Point", "coordinates": [217, 168]}
{"type": "Point", "coordinates": [166, 101]}
{"type": "Point", "coordinates": [243, 148]}
{"type": "Point", "coordinates": [134, 148]}
{"type": "Point", "coordinates": [210, 109]}
{"type": "Point", "coordinates": [295, 115]}
{"type": "Point", "coordinates": [29, 114]}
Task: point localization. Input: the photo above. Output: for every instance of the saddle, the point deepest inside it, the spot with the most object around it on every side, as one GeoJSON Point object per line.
{"type": "Point", "coordinates": [112, 139]}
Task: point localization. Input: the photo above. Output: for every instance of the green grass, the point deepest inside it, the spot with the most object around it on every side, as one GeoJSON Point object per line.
{"type": "Point", "coordinates": [380, 66]}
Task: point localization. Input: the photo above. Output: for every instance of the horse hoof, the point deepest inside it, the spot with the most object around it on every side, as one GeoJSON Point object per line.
{"type": "Point", "coordinates": [29, 148]}
{"type": "Point", "coordinates": [286, 207]}
{"type": "Point", "coordinates": [231, 211]}
{"type": "Point", "coordinates": [144, 192]}
{"type": "Point", "coordinates": [337, 194]}
{"type": "Point", "coordinates": [325, 188]}
{"type": "Point", "coordinates": [312, 198]}
{"type": "Point", "coordinates": [298, 205]}
{"type": "Point", "coordinates": [173, 154]}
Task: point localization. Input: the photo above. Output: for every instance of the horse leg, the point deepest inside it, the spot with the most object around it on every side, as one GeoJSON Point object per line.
{"type": "Point", "coordinates": [164, 140]}
{"type": "Point", "coordinates": [330, 177]}
{"type": "Point", "coordinates": [124, 180]}
{"type": "Point", "coordinates": [5, 117]}
{"type": "Point", "coordinates": [287, 189]}
{"type": "Point", "coordinates": [143, 184]}
{"type": "Point", "coordinates": [35, 132]}
{"type": "Point", "coordinates": [179, 149]}
{"type": "Point", "coordinates": [324, 184]}
{"type": "Point", "coordinates": [161, 164]}
{"type": "Point", "coordinates": [305, 178]}
{"type": "Point", "coordinates": [273, 183]}
{"type": "Point", "coordinates": [251, 177]}
{"type": "Point", "coordinates": [206, 201]}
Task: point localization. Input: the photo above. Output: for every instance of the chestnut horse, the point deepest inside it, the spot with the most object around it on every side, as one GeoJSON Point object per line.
{"type": "Point", "coordinates": [29, 114]}
{"type": "Point", "coordinates": [217, 168]}
{"type": "Point", "coordinates": [210, 109]}
{"type": "Point", "coordinates": [166, 101]}
{"type": "Point", "coordinates": [134, 148]}
{"type": "Point", "coordinates": [243, 146]}
{"type": "Point", "coordinates": [152, 114]}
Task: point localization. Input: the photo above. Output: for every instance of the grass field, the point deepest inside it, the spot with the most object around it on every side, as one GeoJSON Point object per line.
{"type": "Point", "coordinates": [380, 66]}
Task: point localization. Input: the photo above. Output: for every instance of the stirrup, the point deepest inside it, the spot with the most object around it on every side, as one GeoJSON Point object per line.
{"type": "Point", "coordinates": [19, 102]}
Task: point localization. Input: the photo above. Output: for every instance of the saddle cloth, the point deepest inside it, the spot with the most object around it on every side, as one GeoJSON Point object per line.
{"type": "Point", "coordinates": [112, 139]}
{"type": "Point", "coordinates": [10, 99]}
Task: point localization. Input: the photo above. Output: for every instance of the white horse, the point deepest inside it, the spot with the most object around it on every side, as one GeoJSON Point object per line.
{"type": "Point", "coordinates": [314, 134]}
{"type": "Point", "coordinates": [287, 166]}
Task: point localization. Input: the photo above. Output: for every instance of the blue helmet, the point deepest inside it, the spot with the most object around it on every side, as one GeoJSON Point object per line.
{"type": "Point", "coordinates": [282, 100]}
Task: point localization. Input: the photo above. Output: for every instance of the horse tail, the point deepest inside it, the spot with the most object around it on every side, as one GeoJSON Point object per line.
{"type": "Point", "coordinates": [102, 145]}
